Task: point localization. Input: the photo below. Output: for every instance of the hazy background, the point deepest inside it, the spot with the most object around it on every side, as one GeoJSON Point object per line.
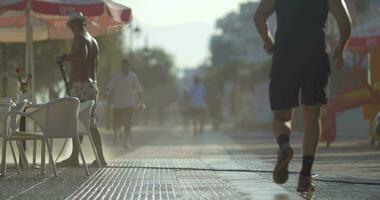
{"type": "Point", "coordinates": [213, 39]}
{"type": "Point", "coordinates": [181, 27]}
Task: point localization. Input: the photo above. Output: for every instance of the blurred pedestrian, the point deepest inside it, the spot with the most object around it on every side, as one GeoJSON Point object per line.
{"type": "Point", "coordinates": [197, 95]}
{"type": "Point", "coordinates": [300, 67]}
{"type": "Point", "coordinates": [184, 108]}
{"type": "Point", "coordinates": [127, 95]}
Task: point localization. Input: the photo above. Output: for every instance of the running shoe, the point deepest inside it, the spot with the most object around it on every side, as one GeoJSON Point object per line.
{"type": "Point", "coordinates": [281, 173]}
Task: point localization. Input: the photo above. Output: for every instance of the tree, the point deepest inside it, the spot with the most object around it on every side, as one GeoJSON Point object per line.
{"type": "Point", "coordinates": [111, 52]}
{"type": "Point", "coordinates": [223, 51]}
{"type": "Point", "coordinates": [47, 74]}
{"type": "Point", "coordinates": [11, 54]}
{"type": "Point", "coordinates": [155, 68]}
{"type": "Point", "coordinates": [238, 41]}
{"type": "Point", "coordinates": [155, 65]}
{"type": "Point", "coordinates": [238, 48]}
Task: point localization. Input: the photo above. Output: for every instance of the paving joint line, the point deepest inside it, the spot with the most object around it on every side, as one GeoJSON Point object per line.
{"type": "Point", "coordinates": [33, 186]}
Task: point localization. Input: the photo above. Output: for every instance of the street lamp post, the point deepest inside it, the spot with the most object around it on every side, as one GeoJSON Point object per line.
{"type": "Point", "coordinates": [134, 30]}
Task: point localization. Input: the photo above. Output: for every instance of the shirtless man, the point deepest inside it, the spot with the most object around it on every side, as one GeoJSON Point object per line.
{"type": "Point", "coordinates": [300, 66]}
{"type": "Point", "coordinates": [83, 57]}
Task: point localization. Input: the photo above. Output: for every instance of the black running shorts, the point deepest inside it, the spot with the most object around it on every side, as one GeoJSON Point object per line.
{"type": "Point", "coordinates": [298, 76]}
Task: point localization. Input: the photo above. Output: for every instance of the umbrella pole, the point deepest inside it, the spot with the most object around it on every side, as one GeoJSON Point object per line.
{"type": "Point", "coordinates": [62, 70]}
{"type": "Point", "coordinates": [29, 68]}
{"type": "Point", "coordinates": [29, 59]}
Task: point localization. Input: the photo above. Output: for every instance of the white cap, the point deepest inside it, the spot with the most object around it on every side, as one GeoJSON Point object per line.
{"type": "Point", "coordinates": [76, 16]}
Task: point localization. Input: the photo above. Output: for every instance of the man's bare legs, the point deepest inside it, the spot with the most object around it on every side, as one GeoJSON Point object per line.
{"type": "Point", "coordinates": [198, 123]}
{"type": "Point", "coordinates": [127, 124]}
{"type": "Point", "coordinates": [311, 117]}
{"type": "Point", "coordinates": [73, 160]}
{"type": "Point", "coordinates": [311, 135]}
{"type": "Point", "coordinates": [95, 133]}
{"type": "Point", "coordinates": [201, 122]}
{"type": "Point", "coordinates": [281, 122]}
{"type": "Point", "coordinates": [127, 138]}
{"type": "Point", "coordinates": [116, 132]}
{"type": "Point", "coordinates": [195, 124]}
{"type": "Point", "coordinates": [281, 128]}
{"type": "Point", "coordinates": [127, 134]}
{"type": "Point", "coordinates": [194, 121]}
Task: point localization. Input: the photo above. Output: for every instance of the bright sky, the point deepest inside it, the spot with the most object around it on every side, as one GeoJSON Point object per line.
{"type": "Point", "coordinates": [182, 27]}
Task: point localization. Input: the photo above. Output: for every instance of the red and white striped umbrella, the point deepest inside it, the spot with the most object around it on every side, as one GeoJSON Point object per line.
{"type": "Point", "coordinates": [48, 18]}
{"type": "Point", "coordinates": [35, 20]}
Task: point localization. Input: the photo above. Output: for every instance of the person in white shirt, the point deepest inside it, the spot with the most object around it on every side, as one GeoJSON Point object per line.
{"type": "Point", "coordinates": [197, 94]}
{"type": "Point", "coordinates": [127, 95]}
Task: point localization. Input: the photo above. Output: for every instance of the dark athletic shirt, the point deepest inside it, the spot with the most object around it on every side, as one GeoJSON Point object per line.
{"type": "Point", "coordinates": [300, 25]}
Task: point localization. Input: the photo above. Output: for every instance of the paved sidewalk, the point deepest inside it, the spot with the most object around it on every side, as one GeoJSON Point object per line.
{"type": "Point", "coordinates": [163, 164]}
{"type": "Point", "coordinates": [350, 159]}
{"type": "Point", "coordinates": [178, 166]}
{"type": "Point", "coordinates": [169, 163]}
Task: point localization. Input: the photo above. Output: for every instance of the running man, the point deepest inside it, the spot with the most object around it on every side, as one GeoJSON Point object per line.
{"type": "Point", "coordinates": [197, 94]}
{"type": "Point", "coordinates": [83, 57]}
{"type": "Point", "coordinates": [127, 94]}
{"type": "Point", "coordinates": [300, 67]}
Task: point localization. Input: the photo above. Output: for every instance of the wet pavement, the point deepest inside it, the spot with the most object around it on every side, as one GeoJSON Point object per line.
{"type": "Point", "coordinates": [169, 163]}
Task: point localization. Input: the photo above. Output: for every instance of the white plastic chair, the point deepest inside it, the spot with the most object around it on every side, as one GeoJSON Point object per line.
{"type": "Point", "coordinates": [5, 108]}
{"type": "Point", "coordinates": [84, 126]}
{"type": "Point", "coordinates": [15, 124]}
{"type": "Point", "coordinates": [56, 119]}
{"type": "Point", "coordinates": [30, 108]}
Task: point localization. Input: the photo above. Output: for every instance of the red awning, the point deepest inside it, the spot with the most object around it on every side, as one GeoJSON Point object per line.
{"type": "Point", "coordinates": [366, 35]}
{"type": "Point", "coordinates": [12, 5]}
{"type": "Point", "coordinates": [48, 18]}
{"type": "Point", "coordinates": [89, 8]}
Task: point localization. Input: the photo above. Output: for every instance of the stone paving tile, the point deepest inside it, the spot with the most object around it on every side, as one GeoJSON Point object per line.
{"type": "Point", "coordinates": [122, 180]}
{"type": "Point", "coordinates": [179, 166]}
{"type": "Point", "coordinates": [350, 161]}
{"type": "Point", "coordinates": [176, 165]}
{"type": "Point", "coordinates": [324, 190]}
{"type": "Point", "coordinates": [31, 185]}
